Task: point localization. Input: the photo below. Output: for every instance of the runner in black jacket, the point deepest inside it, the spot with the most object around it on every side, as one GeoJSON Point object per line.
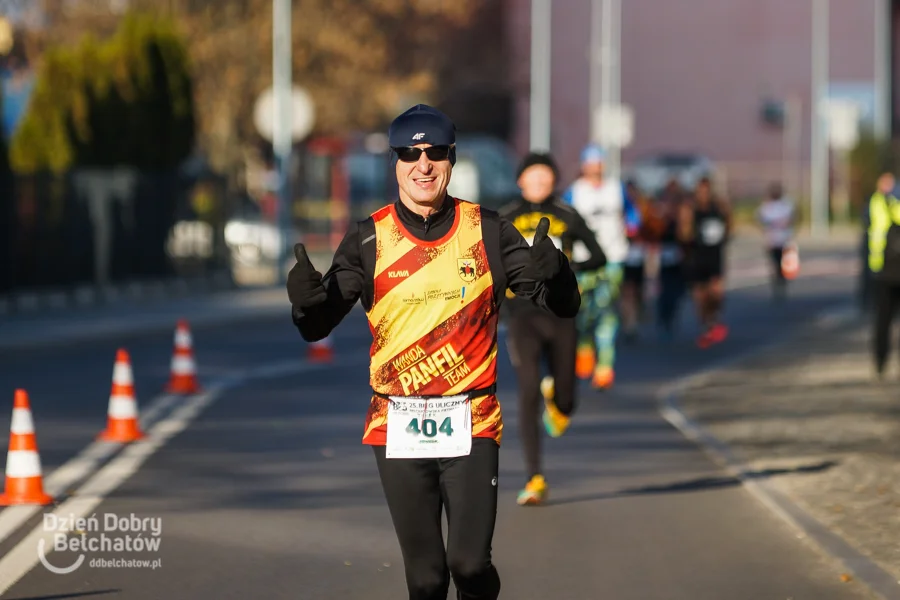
{"type": "Point", "coordinates": [534, 333]}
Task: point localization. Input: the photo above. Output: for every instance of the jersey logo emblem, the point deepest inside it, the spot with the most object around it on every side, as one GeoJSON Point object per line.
{"type": "Point", "coordinates": [466, 269]}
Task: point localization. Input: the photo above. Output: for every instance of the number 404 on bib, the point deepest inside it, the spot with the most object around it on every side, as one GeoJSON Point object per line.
{"type": "Point", "coordinates": [429, 427]}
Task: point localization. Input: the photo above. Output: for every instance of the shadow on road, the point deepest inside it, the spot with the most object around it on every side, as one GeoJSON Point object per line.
{"type": "Point", "coordinates": [72, 595]}
{"type": "Point", "coordinates": [694, 485]}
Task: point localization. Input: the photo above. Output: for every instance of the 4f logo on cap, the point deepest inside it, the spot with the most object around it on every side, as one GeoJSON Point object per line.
{"type": "Point", "coordinates": [466, 269]}
{"type": "Point", "coordinates": [418, 136]}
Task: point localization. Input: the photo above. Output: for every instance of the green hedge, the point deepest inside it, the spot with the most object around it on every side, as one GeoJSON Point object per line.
{"type": "Point", "coordinates": [868, 160]}
{"type": "Point", "coordinates": [124, 101]}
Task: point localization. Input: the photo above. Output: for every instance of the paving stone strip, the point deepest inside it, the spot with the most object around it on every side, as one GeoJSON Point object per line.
{"type": "Point", "coordinates": [810, 416]}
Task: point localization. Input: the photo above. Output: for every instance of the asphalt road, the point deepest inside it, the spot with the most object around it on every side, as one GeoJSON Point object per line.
{"type": "Point", "coordinates": [263, 489]}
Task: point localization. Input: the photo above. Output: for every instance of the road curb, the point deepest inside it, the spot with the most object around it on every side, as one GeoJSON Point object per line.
{"type": "Point", "coordinates": [160, 324]}
{"type": "Point", "coordinates": [864, 569]}
{"type": "Point", "coordinates": [135, 324]}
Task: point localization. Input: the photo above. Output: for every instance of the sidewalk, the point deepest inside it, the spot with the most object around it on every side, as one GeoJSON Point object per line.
{"type": "Point", "coordinates": [66, 325]}
{"type": "Point", "coordinates": [810, 418]}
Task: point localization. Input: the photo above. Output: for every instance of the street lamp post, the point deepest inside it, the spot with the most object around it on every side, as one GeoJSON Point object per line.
{"type": "Point", "coordinates": [615, 79]}
{"type": "Point", "coordinates": [882, 68]}
{"type": "Point", "coordinates": [282, 130]}
{"type": "Point", "coordinates": [819, 139]}
{"type": "Point", "coordinates": [539, 129]}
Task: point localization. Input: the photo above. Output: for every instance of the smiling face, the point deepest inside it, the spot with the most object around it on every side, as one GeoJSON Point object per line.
{"type": "Point", "coordinates": [423, 182]}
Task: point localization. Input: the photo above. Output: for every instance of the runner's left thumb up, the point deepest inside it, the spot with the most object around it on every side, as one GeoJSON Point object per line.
{"type": "Point", "coordinates": [300, 254]}
{"type": "Point", "coordinates": [543, 228]}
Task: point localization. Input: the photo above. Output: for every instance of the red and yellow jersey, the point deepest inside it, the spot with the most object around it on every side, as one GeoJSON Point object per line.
{"type": "Point", "coordinates": [433, 320]}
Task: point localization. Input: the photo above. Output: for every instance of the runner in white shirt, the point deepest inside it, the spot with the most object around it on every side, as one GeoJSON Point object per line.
{"type": "Point", "coordinates": [608, 212]}
{"type": "Point", "coordinates": [776, 216]}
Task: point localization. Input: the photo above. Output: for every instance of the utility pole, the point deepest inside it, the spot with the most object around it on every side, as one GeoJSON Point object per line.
{"type": "Point", "coordinates": [282, 138]}
{"type": "Point", "coordinates": [819, 178]}
{"type": "Point", "coordinates": [615, 67]}
{"type": "Point", "coordinates": [605, 76]}
{"type": "Point", "coordinates": [597, 61]}
{"type": "Point", "coordinates": [883, 69]}
{"type": "Point", "coordinates": [539, 130]}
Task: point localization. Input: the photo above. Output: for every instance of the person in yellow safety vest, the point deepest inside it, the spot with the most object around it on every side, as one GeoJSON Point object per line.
{"type": "Point", "coordinates": [884, 262]}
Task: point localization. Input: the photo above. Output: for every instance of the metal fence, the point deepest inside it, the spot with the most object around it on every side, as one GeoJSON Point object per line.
{"type": "Point", "coordinates": [104, 227]}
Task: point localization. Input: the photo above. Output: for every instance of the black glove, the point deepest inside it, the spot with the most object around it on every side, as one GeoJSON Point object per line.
{"type": "Point", "coordinates": [546, 258]}
{"type": "Point", "coordinates": [304, 283]}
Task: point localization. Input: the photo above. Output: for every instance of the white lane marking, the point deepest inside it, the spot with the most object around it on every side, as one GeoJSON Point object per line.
{"type": "Point", "coordinates": [76, 469]}
{"type": "Point", "coordinates": [21, 559]}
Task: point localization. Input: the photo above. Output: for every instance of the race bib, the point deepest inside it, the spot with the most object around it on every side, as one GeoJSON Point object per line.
{"type": "Point", "coordinates": [712, 231]}
{"type": "Point", "coordinates": [635, 256]}
{"type": "Point", "coordinates": [429, 428]}
{"type": "Point", "coordinates": [670, 255]}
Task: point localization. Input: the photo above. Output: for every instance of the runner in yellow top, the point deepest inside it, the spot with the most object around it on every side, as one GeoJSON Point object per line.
{"type": "Point", "coordinates": [431, 272]}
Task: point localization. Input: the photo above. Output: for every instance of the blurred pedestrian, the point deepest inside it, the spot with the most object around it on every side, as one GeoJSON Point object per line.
{"type": "Point", "coordinates": [672, 286]}
{"type": "Point", "coordinates": [776, 216]}
{"type": "Point", "coordinates": [884, 189]}
{"type": "Point", "coordinates": [603, 202]}
{"type": "Point", "coordinates": [705, 225]}
{"type": "Point", "coordinates": [884, 262]}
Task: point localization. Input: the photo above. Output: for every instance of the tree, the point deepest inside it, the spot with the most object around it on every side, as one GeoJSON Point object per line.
{"type": "Point", "coordinates": [362, 61]}
{"type": "Point", "coordinates": [126, 100]}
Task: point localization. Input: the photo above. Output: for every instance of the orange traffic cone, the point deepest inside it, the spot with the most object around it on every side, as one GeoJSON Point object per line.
{"type": "Point", "coordinates": [122, 418]}
{"type": "Point", "coordinates": [790, 262]}
{"type": "Point", "coordinates": [184, 371]}
{"type": "Point", "coordinates": [24, 479]}
{"type": "Point", "coordinates": [320, 351]}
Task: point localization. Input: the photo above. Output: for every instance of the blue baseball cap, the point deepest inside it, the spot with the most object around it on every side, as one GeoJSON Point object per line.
{"type": "Point", "coordinates": [593, 153]}
{"type": "Point", "coordinates": [422, 124]}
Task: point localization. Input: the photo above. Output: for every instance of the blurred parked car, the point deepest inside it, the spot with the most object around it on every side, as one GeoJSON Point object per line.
{"type": "Point", "coordinates": [252, 240]}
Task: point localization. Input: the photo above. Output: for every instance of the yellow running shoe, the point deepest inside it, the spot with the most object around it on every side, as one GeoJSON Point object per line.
{"type": "Point", "coordinates": [555, 422]}
{"type": "Point", "coordinates": [535, 492]}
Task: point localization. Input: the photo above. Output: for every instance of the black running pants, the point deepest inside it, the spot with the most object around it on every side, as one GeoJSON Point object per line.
{"type": "Point", "coordinates": [417, 490]}
{"type": "Point", "coordinates": [887, 300]}
{"type": "Point", "coordinates": [672, 287]}
{"type": "Point", "coordinates": [531, 336]}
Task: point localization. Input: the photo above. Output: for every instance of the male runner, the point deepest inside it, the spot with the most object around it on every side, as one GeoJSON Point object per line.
{"type": "Point", "coordinates": [535, 334]}
{"type": "Point", "coordinates": [604, 204]}
{"type": "Point", "coordinates": [431, 272]}
{"type": "Point", "coordinates": [705, 225]}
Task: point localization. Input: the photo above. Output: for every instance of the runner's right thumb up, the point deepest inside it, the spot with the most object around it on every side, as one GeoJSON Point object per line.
{"type": "Point", "coordinates": [540, 233]}
{"type": "Point", "coordinates": [304, 283]}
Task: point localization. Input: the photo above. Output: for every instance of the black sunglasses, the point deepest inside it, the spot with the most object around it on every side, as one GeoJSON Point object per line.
{"type": "Point", "coordinates": [410, 154]}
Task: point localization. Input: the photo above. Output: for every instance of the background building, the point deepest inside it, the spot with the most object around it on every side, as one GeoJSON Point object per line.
{"type": "Point", "coordinates": [698, 74]}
